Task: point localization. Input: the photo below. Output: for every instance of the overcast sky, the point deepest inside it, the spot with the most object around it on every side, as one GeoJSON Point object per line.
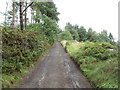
{"type": "Point", "coordinates": [97, 14]}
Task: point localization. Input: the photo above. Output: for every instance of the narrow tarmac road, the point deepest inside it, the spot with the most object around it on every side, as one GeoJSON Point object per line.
{"type": "Point", "coordinates": [57, 70]}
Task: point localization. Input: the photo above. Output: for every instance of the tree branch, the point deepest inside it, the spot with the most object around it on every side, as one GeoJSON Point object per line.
{"type": "Point", "coordinates": [27, 7]}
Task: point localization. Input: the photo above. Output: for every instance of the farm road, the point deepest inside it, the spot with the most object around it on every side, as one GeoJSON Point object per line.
{"type": "Point", "coordinates": [57, 70]}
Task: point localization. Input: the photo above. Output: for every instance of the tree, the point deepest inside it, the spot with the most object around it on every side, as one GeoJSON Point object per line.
{"type": "Point", "coordinates": [66, 35]}
{"type": "Point", "coordinates": [8, 19]}
{"type": "Point", "coordinates": [75, 35]}
{"type": "Point", "coordinates": [50, 28]}
{"type": "Point", "coordinates": [103, 37]}
{"type": "Point", "coordinates": [95, 36]}
{"type": "Point", "coordinates": [68, 26]}
{"type": "Point", "coordinates": [22, 12]}
{"type": "Point", "coordinates": [82, 33]}
{"type": "Point", "coordinates": [45, 16]}
{"type": "Point", "coordinates": [25, 15]}
{"type": "Point", "coordinates": [111, 38]}
{"type": "Point", "coordinates": [45, 8]}
{"type": "Point", "coordinates": [73, 30]}
{"type": "Point", "coordinates": [10, 16]}
{"type": "Point", "coordinates": [14, 14]}
{"type": "Point", "coordinates": [5, 22]}
{"type": "Point", "coordinates": [21, 16]}
{"type": "Point", "coordinates": [92, 35]}
{"type": "Point", "coordinates": [13, 21]}
{"type": "Point", "coordinates": [45, 13]}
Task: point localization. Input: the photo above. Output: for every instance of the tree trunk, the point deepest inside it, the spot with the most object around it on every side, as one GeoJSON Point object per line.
{"type": "Point", "coordinates": [13, 19]}
{"type": "Point", "coordinates": [21, 13]}
{"type": "Point", "coordinates": [31, 15]}
{"type": "Point", "coordinates": [21, 16]}
{"type": "Point", "coordinates": [6, 15]}
{"type": "Point", "coordinates": [25, 15]}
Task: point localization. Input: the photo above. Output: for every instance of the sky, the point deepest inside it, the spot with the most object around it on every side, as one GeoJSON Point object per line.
{"type": "Point", "coordinates": [96, 14]}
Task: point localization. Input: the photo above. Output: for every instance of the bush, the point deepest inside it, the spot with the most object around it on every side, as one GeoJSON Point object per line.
{"type": "Point", "coordinates": [98, 51]}
{"type": "Point", "coordinates": [98, 63]}
{"type": "Point", "coordinates": [108, 45]}
{"type": "Point", "coordinates": [20, 48]}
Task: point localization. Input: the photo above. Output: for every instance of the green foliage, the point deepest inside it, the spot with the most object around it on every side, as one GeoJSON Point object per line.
{"type": "Point", "coordinates": [92, 35]}
{"type": "Point", "coordinates": [19, 49]}
{"type": "Point", "coordinates": [103, 36]}
{"type": "Point", "coordinates": [66, 35]}
{"type": "Point", "coordinates": [75, 35]}
{"type": "Point", "coordinates": [10, 80]}
{"type": "Point", "coordinates": [108, 45]}
{"type": "Point", "coordinates": [98, 63]}
{"type": "Point", "coordinates": [82, 35]}
{"type": "Point", "coordinates": [73, 30]}
{"type": "Point", "coordinates": [98, 51]}
{"type": "Point", "coordinates": [50, 28]}
{"type": "Point", "coordinates": [63, 43]}
{"type": "Point", "coordinates": [45, 8]}
{"type": "Point", "coordinates": [68, 26]}
{"type": "Point", "coordinates": [111, 39]}
{"type": "Point", "coordinates": [22, 48]}
{"type": "Point", "coordinates": [103, 74]}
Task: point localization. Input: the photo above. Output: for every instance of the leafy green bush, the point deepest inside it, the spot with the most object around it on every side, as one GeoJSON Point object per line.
{"type": "Point", "coordinates": [20, 49]}
{"type": "Point", "coordinates": [108, 45]}
{"type": "Point", "coordinates": [98, 63]}
{"type": "Point", "coordinates": [63, 43]}
{"type": "Point", "coordinates": [97, 50]}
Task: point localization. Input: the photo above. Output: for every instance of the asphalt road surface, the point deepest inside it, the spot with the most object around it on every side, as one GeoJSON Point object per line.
{"type": "Point", "coordinates": [56, 70]}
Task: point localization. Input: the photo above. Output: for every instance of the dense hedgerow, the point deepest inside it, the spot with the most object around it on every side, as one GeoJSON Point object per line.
{"type": "Point", "coordinates": [20, 49]}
